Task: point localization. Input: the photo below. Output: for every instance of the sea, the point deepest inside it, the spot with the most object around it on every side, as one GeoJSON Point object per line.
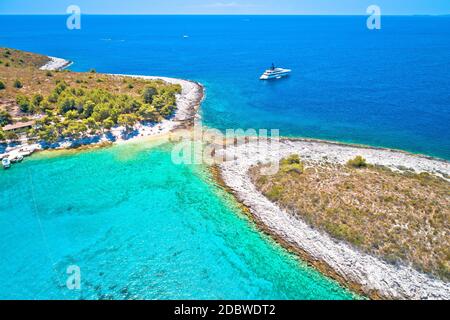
{"type": "Point", "coordinates": [135, 225]}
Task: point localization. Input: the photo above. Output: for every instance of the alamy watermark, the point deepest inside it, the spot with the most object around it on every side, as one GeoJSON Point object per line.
{"type": "Point", "coordinates": [211, 146]}
{"type": "Point", "coordinates": [74, 20]}
{"type": "Point", "coordinates": [74, 277]}
{"type": "Point", "coordinates": [374, 20]}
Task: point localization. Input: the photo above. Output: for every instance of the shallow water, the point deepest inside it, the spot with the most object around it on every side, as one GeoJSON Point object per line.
{"type": "Point", "coordinates": [138, 226]}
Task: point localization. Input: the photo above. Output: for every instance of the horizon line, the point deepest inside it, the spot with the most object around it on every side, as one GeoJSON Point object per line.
{"type": "Point", "coordinates": [219, 14]}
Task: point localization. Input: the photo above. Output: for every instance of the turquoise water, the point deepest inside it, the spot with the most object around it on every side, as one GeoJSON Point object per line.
{"type": "Point", "coordinates": [139, 227]}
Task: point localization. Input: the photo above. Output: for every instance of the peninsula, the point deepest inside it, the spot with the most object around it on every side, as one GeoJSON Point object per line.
{"type": "Point", "coordinates": [44, 106]}
{"type": "Point", "coordinates": [374, 219]}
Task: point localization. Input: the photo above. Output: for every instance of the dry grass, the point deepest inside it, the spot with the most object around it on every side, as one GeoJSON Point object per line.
{"type": "Point", "coordinates": [401, 217]}
{"type": "Point", "coordinates": [24, 66]}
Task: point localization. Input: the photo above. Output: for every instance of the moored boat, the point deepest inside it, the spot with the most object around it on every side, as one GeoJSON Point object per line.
{"type": "Point", "coordinates": [275, 73]}
{"type": "Point", "coordinates": [6, 163]}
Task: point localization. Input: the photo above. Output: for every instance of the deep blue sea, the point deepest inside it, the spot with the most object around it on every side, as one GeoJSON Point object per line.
{"type": "Point", "coordinates": [389, 87]}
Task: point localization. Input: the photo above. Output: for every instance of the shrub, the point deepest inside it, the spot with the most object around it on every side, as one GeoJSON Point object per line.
{"type": "Point", "coordinates": [49, 74]}
{"type": "Point", "coordinates": [48, 134]}
{"type": "Point", "coordinates": [92, 71]}
{"type": "Point", "coordinates": [292, 159]}
{"type": "Point", "coordinates": [53, 97]}
{"type": "Point", "coordinates": [17, 84]}
{"type": "Point", "coordinates": [148, 113]}
{"type": "Point", "coordinates": [101, 112]}
{"type": "Point", "coordinates": [5, 118]}
{"type": "Point", "coordinates": [292, 163]}
{"type": "Point", "coordinates": [60, 87]}
{"type": "Point", "coordinates": [10, 135]}
{"type": "Point", "coordinates": [24, 103]}
{"type": "Point", "coordinates": [127, 120]}
{"type": "Point", "coordinates": [2, 85]}
{"type": "Point", "coordinates": [357, 162]}
{"type": "Point", "coordinates": [108, 124]}
{"type": "Point", "coordinates": [75, 129]}
{"type": "Point", "coordinates": [7, 64]}
{"type": "Point", "coordinates": [275, 193]}
{"type": "Point", "coordinates": [91, 124]}
{"type": "Point", "coordinates": [71, 115]}
{"type": "Point", "coordinates": [148, 94]}
{"type": "Point", "coordinates": [66, 104]}
{"type": "Point", "coordinates": [37, 99]}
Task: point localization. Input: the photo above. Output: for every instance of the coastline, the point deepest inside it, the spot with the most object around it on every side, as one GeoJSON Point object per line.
{"type": "Point", "coordinates": [358, 271]}
{"type": "Point", "coordinates": [354, 269]}
{"type": "Point", "coordinates": [188, 104]}
{"type": "Point", "coordinates": [56, 64]}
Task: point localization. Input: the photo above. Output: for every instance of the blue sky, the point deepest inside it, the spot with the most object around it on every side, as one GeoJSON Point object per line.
{"type": "Point", "coordinates": [225, 6]}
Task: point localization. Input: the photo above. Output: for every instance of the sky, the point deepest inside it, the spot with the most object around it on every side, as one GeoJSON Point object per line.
{"type": "Point", "coordinates": [325, 7]}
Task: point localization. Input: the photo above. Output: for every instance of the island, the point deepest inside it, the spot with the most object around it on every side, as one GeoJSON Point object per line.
{"type": "Point", "coordinates": [374, 219]}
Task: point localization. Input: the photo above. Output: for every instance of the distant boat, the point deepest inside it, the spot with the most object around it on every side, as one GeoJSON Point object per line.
{"type": "Point", "coordinates": [6, 163]}
{"type": "Point", "coordinates": [275, 73]}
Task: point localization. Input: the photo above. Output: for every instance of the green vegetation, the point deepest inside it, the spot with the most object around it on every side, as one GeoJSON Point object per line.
{"type": "Point", "coordinates": [357, 162]}
{"type": "Point", "coordinates": [5, 118]}
{"type": "Point", "coordinates": [9, 135]}
{"type": "Point", "coordinates": [2, 85]}
{"type": "Point", "coordinates": [17, 84]}
{"type": "Point", "coordinates": [37, 100]}
{"type": "Point", "coordinates": [74, 105]}
{"type": "Point", "coordinates": [292, 164]}
{"type": "Point", "coordinates": [77, 112]}
{"type": "Point", "coordinates": [24, 103]}
{"type": "Point", "coordinates": [128, 120]}
{"type": "Point", "coordinates": [149, 93]}
{"type": "Point", "coordinates": [275, 193]}
{"type": "Point", "coordinates": [400, 217]}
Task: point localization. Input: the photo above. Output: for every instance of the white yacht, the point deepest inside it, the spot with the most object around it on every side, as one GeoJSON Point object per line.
{"type": "Point", "coordinates": [275, 73]}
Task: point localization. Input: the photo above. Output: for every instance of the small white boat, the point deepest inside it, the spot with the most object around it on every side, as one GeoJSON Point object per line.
{"type": "Point", "coordinates": [6, 163]}
{"type": "Point", "coordinates": [275, 73]}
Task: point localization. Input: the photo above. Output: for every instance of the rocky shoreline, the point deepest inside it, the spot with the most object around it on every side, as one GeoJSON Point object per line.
{"type": "Point", "coordinates": [364, 273]}
{"type": "Point", "coordinates": [56, 64]}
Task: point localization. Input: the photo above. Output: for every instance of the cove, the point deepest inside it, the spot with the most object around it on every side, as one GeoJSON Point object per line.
{"type": "Point", "coordinates": [139, 227]}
